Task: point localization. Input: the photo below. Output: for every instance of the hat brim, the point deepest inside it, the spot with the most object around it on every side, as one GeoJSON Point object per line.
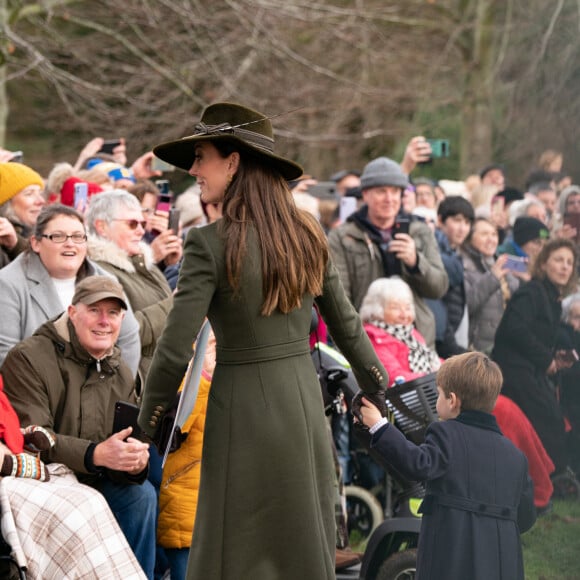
{"type": "Point", "coordinates": [181, 153]}
{"type": "Point", "coordinates": [98, 296]}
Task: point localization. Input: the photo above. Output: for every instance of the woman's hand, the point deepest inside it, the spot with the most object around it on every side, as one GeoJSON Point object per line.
{"type": "Point", "coordinates": [167, 248]}
{"type": "Point", "coordinates": [498, 269]}
{"type": "Point", "coordinates": [8, 236]}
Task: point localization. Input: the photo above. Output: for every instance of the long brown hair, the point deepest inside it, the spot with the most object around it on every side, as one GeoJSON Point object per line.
{"type": "Point", "coordinates": [293, 245]}
{"type": "Point", "coordinates": [547, 250]}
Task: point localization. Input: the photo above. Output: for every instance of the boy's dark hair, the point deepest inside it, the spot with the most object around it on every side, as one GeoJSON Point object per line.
{"type": "Point", "coordinates": [474, 378]}
{"type": "Point", "coordinates": [538, 175]}
{"type": "Point", "coordinates": [455, 205]}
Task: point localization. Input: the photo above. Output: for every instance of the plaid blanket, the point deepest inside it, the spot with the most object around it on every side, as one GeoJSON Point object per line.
{"type": "Point", "coordinates": [62, 529]}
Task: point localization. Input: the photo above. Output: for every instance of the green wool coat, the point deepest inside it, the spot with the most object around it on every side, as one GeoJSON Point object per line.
{"type": "Point", "coordinates": [266, 499]}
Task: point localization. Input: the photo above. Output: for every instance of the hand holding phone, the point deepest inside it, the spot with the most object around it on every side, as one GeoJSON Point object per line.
{"type": "Point", "coordinates": [126, 416]}
{"type": "Point", "coordinates": [81, 197]}
{"type": "Point", "coordinates": [174, 217]}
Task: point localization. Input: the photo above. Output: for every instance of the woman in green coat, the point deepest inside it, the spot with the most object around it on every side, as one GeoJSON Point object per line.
{"type": "Point", "coordinates": [266, 499]}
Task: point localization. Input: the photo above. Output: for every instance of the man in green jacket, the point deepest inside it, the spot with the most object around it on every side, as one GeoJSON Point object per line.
{"type": "Point", "coordinates": [67, 378]}
{"type": "Point", "coordinates": [368, 246]}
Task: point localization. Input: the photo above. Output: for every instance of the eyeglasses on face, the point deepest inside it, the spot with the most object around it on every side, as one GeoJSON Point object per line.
{"type": "Point", "coordinates": [61, 237]}
{"type": "Point", "coordinates": [133, 224]}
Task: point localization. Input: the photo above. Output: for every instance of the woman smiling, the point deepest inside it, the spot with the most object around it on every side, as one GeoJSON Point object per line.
{"type": "Point", "coordinates": [40, 283]}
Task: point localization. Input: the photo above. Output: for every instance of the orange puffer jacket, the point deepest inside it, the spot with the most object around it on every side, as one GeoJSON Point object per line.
{"type": "Point", "coordinates": [180, 482]}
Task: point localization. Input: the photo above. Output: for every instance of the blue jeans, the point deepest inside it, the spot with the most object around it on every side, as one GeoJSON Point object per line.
{"type": "Point", "coordinates": [135, 509]}
{"type": "Point", "coordinates": [177, 562]}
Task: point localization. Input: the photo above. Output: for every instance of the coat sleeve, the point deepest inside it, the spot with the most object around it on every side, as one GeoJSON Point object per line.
{"type": "Point", "coordinates": [479, 286]}
{"type": "Point", "coordinates": [195, 289]}
{"type": "Point", "coordinates": [11, 332]}
{"type": "Point", "coordinates": [429, 279]}
{"type": "Point", "coordinates": [424, 462]}
{"type": "Point", "coordinates": [346, 329]}
{"type": "Point", "coordinates": [526, 515]}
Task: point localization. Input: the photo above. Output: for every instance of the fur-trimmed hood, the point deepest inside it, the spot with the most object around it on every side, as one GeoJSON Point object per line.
{"type": "Point", "coordinates": [103, 250]}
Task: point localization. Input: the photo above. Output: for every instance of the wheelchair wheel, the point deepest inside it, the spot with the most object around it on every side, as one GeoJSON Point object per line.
{"type": "Point", "coordinates": [399, 566]}
{"type": "Point", "coordinates": [364, 512]}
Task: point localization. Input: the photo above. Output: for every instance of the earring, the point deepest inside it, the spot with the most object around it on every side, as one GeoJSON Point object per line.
{"type": "Point", "coordinates": [229, 179]}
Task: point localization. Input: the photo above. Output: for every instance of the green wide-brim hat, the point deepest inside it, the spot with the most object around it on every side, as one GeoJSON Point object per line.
{"type": "Point", "coordinates": [247, 128]}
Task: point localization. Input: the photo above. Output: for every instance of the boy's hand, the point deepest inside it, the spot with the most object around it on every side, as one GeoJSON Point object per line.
{"type": "Point", "coordinates": [362, 401]}
{"type": "Point", "coordinates": [370, 413]}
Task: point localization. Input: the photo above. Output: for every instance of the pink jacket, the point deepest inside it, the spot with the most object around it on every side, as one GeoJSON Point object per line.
{"type": "Point", "coordinates": [393, 353]}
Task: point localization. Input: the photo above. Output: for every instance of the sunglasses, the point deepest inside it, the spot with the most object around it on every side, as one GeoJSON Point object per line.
{"type": "Point", "coordinates": [133, 224]}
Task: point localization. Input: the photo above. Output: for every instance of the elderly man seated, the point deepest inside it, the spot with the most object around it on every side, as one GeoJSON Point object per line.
{"type": "Point", "coordinates": [67, 378]}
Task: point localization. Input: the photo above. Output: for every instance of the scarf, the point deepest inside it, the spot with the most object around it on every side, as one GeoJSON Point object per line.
{"type": "Point", "coordinates": [421, 358]}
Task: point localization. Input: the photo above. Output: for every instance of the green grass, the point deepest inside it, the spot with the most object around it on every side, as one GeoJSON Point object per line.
{"type": "Point", "coordinates": [552, 546]}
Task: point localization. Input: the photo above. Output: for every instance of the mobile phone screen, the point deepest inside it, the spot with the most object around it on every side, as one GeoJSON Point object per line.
{"type": "Point", "coordinates": [401, 226]}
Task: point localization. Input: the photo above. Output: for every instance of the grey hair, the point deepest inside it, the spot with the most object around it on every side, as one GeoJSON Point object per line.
{"type": "Point", "coordinates": [519, 208]}
{"type": "Point", "coordinates": [567, 304]}
{"type": "Point", "coordinates": [380, 292]}
{"type": "Point", "coordinates": [104, 207]}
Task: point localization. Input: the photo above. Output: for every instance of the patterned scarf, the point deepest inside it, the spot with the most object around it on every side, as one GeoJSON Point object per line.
{"type": "Point", "coordinates": [421, 358]}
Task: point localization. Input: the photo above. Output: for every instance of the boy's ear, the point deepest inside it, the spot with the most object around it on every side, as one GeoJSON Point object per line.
{"type": "Point", "coordinates": [440, 222]}
{"type": "Point", "coordinates": [455, 402]}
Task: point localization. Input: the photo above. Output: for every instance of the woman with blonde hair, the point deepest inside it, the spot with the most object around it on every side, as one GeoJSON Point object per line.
{"type": "Point", "coordinates": [266, 498]}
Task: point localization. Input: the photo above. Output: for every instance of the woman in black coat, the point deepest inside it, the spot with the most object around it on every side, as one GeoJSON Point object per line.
{"type": "Point", "coordinates": [526, 344]}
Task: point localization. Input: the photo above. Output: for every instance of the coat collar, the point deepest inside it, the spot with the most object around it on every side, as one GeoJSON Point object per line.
{"type": "Point", "coordinates": [102, 250]}
{"type": "Point", "coordinates": [479, 419]}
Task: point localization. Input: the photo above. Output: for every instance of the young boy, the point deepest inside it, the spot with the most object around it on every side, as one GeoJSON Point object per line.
{"type": "Point", "coordinates": [454, 218]}
{"type": "Point", "coordinates": [479, 497]}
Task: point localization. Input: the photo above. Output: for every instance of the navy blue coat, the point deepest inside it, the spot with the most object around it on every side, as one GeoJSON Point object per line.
{"type": "Point", "coordinates": [479, 497]}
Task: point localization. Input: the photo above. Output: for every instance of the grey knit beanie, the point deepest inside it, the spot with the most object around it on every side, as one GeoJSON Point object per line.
{"type": "Point", "coordinates": [383, 171]}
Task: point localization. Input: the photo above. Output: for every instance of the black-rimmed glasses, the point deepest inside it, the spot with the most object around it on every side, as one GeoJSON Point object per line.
{"type": "Point", "coordinates": [133, 224]}
{"type": "Point", "coordinates": [61, 237]}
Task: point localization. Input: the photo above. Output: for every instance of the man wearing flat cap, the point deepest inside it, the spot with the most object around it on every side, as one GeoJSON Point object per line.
{"type": "Point", "coordinates": [67, 378]}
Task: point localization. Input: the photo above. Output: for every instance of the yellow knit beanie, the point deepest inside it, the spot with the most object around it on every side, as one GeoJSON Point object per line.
{"type": "Point", "coordinates": [14, 177]}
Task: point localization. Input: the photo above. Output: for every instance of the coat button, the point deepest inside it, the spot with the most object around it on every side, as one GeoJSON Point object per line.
{"type": "Point", "coordinates": [159, 408]}
{"type": "Point", "coordinates": [152, 423]}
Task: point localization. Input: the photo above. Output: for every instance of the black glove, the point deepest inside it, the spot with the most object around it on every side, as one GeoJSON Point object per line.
{"type": "Point", "coordinates": [377, 398]}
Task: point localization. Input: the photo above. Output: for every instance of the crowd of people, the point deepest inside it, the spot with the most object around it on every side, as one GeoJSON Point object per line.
{"type": "Point", "coordinates": [102, 301]}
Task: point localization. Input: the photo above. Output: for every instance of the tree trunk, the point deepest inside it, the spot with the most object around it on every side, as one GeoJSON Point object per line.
{"type": "Point", "coordinates": [477, 102]}
{"type": "Point", "coordinates": [3, 91]}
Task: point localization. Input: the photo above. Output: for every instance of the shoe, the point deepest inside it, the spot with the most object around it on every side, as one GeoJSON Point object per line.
{"type": "Point", "coordinates": [545, 510]}
{"type": "Point", "coordinates": [346, 558]}
{"type": "Point", "coordinates": [566, 486]}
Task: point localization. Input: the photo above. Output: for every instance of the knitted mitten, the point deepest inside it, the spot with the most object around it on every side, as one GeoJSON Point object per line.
{"type": "Point", "coordinates": [37, 438]}
{"type": "Point", "coordinates": [24, 465]}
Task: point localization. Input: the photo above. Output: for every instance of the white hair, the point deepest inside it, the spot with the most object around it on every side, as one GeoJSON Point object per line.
{"type": "Point", "coordinates": [380, 292]}
{"type": "Point", "coordinates": [567, 304]}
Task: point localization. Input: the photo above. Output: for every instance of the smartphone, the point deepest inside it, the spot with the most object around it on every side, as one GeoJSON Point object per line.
{"type": "Point", "coordinates": [109, 146]}
{"type": "Point", "coordinates": [81, 197]}
{"type": "Point", "coordinates": [439, 148]}
{"type": "Point", "coordinates": [516, 264]}
{"type": "Point", "coordinates": [165, 196]}
{"type": "Point", "coordinates": [573, 219]}
{"type": "Point", "coordinates": [160, 165]}
{"type": "Point", "coordinates": [126, 416]}
{"type": "Point", "coordinates": [174, 215]}
{"type": "Point", "coordinates": [402, 225]}
{"type": "Point", "coordinates": [323, 190]}
{"type": "Point", "coordinates": [17, 157]}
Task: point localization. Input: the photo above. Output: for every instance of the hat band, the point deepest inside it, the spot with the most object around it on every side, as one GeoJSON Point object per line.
{"type": "Point", "coordinates": [251, 137]}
